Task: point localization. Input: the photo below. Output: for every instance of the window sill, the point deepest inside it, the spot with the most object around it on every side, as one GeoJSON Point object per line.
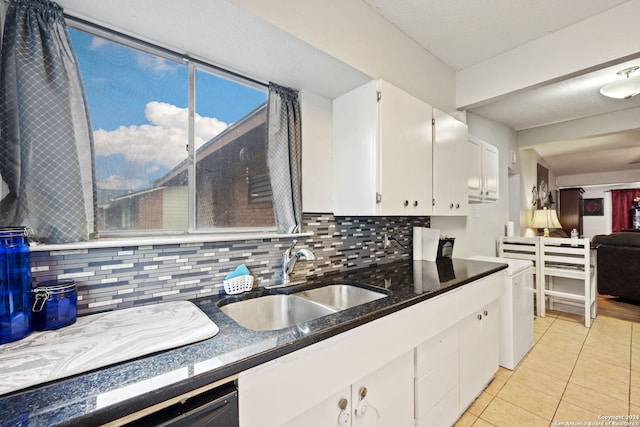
{"type": "Point", "coordinates": [162, 240]}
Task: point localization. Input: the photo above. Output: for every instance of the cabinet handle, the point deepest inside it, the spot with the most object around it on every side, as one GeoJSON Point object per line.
{"type": "Point", "coordinates": [406, 203]}
{"type": "Point", "coordinates": [363, 392]}
{"type": "Point", "coordinates": [457, 205]}
{"type": "Point", "coordinates": [415, 204]}
{"type": "Point", "coordinates": [362, 406]}
{"type": "Point", "coordinates": [344, 417]}
{"type": "Point", "coordinates": [479, 316]}
{"type": "Point", "coordinates": [451, 206]}
{"type": "Point", "coordinates": [343, 403]}
{"type": "Point", "coordinates": [486, 313]}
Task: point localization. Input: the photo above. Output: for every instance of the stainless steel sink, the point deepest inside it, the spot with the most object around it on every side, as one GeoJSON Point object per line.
{"type": "Point", "coordinates": [341, 296]}
{"type": "Point", "coordinates": [271, 312]}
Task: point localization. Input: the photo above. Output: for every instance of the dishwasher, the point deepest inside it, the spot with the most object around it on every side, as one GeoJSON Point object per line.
{"type": "Point", "coordinates": [516, 310]}
{"type": "Point", "coordinates": [214, 408]}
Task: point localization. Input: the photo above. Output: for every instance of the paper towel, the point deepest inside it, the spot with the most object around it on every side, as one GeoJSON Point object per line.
{"type": "Point", "coordinates": [417, 243]}
{"type": "Point", "coordinates": [510, 229]}
{"type": "Point", "coordinates": [425, 243]}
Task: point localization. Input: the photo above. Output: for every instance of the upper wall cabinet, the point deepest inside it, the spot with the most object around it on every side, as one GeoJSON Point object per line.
{"type": "Point", "coordinates": [483, 184]}
{"type": "Point", "coordinates": [382, 152]}
{"type": "Point", "coordinates": [450, 160]}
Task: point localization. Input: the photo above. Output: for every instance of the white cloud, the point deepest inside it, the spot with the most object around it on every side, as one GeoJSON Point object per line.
{"type": "Point", "coordinates": [156, 63]}
{"type": "Point", "coordinates": [116, 182]}
{"type": "Point", "coordinates": [97, 42]}
{"type": "Point", "coordinates": [162, 142]}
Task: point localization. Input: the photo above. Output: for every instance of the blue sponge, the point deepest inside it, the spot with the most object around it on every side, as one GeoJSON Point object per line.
{"type": "Point", "coordinates": [240, 270]}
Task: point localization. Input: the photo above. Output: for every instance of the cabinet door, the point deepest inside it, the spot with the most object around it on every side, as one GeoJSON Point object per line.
{"type": "Point", "coordinates": [571, 210]}
{"type": "Point", "coordinates": [450, 165]}
{"type": "Point", "coordinates": [405, 144]}
{"type": "Point", "coordinates": [474, 180]}
{"type": "Point", "coordinates": [355, 151]}
{"type": "Point", "coordinates": [479, 352]}
{"type": "Point", "coordinates": [484, 170]}
{"type": "Point", "coordinates": [385, 397]}
{"type": "Point", "coordinates": [382, 143]}
{"type": "Point", "coordinates": [491, 170]}
{"type": "Point", "coordinates": [334, 411]}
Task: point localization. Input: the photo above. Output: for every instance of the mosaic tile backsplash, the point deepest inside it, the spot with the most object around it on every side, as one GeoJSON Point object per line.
{"type": "Point", "coordinates": [116, 278]}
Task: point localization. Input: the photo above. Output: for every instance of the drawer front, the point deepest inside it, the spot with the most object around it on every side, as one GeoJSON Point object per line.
{"type": "Point", "coordinates": [438, 350]}
{"type": "Point", "coordinates": [483, 292]}
{"type": "Point", "coordinates": [445, 413]}
{"type": "Point", "coordinates": [437, 368]}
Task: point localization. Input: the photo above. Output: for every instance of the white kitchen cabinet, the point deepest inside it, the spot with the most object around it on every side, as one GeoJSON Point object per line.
{"type": "Point", "coordinates": [305, 387]}
{"type": "Point", "coordinates": [282, 390]}
{"type": "Point", "coordinates": [385, 397]}
{"type": "Point", "coordinates": [334, 411]}
{"type": "Point", "coordinates": [453, 367]}
{"type": "Point", "coordinates": [382, 398]}
{"type": "Point", "coordinates": [479, 352]}
{"type": "Point", "coordinates": [483, 177]}
{"type": "Point", "coordinates": [382, 140]}
{"type": "Point", "coordinates": [450, 165]}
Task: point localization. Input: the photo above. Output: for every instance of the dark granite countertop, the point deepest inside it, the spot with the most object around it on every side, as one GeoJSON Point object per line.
{"type": "Point", "coordinates": [109, 393]}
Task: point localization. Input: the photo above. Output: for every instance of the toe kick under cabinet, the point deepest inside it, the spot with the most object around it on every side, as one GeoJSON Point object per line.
{"type": "Point", "coordinates": [420, 366]}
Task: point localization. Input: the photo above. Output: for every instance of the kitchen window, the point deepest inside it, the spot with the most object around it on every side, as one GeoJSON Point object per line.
{"type": "Point", "coordinates": [179, 145]}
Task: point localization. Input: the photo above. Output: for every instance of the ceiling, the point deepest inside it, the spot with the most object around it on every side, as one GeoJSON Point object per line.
{"type": "Point", "coordinates": [464, 33]}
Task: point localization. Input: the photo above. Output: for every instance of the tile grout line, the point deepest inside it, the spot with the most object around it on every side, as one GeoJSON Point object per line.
{"type": "Point", "coordinates": [572, 370]}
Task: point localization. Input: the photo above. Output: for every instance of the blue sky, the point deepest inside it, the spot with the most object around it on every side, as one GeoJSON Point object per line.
{"type": "Point", "coordinates": [138, 103]}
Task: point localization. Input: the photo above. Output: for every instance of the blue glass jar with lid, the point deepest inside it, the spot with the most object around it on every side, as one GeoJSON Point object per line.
{"type": "Point", "coordinates": [54, 305]}
{"type": "Point", "coordinates": [15, 284]}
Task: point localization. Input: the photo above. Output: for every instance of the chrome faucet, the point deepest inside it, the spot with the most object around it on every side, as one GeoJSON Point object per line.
{"type": "Point", "coordinates": [289, 261]}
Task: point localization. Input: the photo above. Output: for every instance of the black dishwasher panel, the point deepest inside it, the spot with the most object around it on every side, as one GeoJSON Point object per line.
{"type": "Point", "coordinates": [214, 408]}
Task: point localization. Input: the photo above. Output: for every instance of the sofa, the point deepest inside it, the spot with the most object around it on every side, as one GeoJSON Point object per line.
{"type": "Point", "coordinates": [618, 258]}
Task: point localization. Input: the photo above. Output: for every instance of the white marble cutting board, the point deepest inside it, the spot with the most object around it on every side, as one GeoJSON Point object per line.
{"type": "Point", "coordinates": [99, 340]}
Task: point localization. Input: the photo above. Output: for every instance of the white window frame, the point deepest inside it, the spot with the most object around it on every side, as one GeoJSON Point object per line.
{"type": "Point", "coordinates": [236, 233]}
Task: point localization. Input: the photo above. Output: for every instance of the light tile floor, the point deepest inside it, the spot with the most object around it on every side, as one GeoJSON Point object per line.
{"type": "Point", "coordinates": [572, 376]}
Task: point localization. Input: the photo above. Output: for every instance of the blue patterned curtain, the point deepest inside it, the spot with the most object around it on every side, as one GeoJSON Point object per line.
{"type": "Point", "coordinates": [46, 143]}
{"type": "Point", "coordinates": [284, 159]}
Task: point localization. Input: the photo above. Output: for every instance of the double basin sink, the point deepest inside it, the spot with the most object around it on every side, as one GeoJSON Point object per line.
{"type": "Point", "coordinates": [277, 311]}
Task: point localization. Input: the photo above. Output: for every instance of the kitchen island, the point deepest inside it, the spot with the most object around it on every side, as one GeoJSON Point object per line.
{"type": "Point", "coordinates": [113, 392]}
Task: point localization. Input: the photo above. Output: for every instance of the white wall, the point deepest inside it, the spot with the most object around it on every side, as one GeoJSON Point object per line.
{"type": "Point", "coordinates": [529, 179]}
{"type": "Point", "coordinates": [603, 178]}
{"type": "Point", "coordinates": [592, 225]}
{"type": "Point", "coordinates": [317, 153]}
{"type": "Point", "coordinates": [359, 36]}
{"type": "Point", "coordinates": [597, 40]}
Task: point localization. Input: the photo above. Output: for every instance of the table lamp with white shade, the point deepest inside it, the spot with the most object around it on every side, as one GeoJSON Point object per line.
{"type": "Point", "coordinates": [545, 218]}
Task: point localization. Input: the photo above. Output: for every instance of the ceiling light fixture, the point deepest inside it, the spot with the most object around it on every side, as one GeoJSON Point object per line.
{"type": "Point", "coordinates": [623, 89]}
